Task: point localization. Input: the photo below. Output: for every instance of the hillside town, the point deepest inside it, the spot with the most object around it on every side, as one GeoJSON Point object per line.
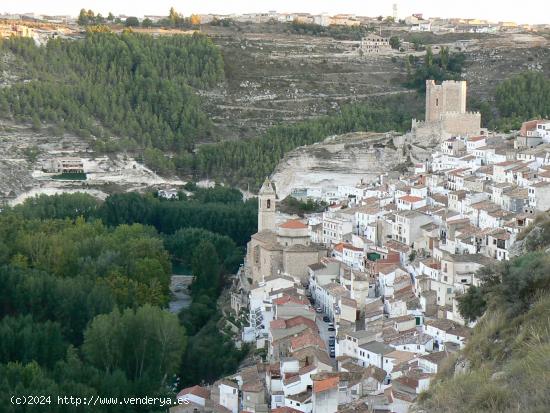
{"type": "Point", "coordinates": [416, 22]}
{"type": "Point", "coordinates": [41, 27]}
{"type": "Point", "coordinates": [355, 309]}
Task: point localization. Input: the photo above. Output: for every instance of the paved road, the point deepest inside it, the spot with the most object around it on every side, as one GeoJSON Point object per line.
{"type": "Point", "coordinates": [324, 333]}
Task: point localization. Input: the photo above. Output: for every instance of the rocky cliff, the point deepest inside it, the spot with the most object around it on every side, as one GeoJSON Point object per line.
{"type": "Point", "coordinates": [339, 160]}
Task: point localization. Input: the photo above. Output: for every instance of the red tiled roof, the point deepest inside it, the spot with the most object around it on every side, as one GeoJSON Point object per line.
{"type": "Point", "coordinates": [352, 248]}
{"type": "Point", "coordinates": [298, 320]}
{"type": "Point", "coordinates": [529, 126]}
{"type": "Point", "coordinates": [277, 324]}
{"type": "Point", "coordinates": [307, 339]}
{"type": "Point", "coordinates": [288, 298]}
{"type": "Point", "coordinates": [340, 247]}
{"type": "Point", "coordinates": [196, 391]}
{"type": "Point", "coordinates": [307, 369]}
{"type": "Point", "coordinates": [325, 384]}
{"type": "Point", "coordinates": [293, 224]}
{"type": "Point", "coordinates": [280, 324]}
{"type": "Point", "coordinates": [410, 198]}
{"type": "Point", "coordinates": [285, 410]}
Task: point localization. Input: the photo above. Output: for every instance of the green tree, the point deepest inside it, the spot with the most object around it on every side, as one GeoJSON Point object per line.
{"type": "Point", "coordinates": [131, 21]}
{"type": "Point", "coordinates": [206, 270]}
{"type": "Point", "coordinates": [522, 97]}
{"type": "Point", "coordinates": [145, 342]}
{"type": "Point", "coordinates": [24, 340]}
{"type": "Point", "coordinates": [472, 304]}
{"type": "Point", "coordinates": [174, 17]}
{"type": "Point", "coordinates": [395, 43]}
{"type": "Point", "coordinates": [83, 19]}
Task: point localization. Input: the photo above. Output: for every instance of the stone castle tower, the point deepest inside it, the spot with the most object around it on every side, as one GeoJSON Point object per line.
{"type": "Point", "coordinates": [448, 97]}
{"type": "Point", "coordinates": [266, 206]}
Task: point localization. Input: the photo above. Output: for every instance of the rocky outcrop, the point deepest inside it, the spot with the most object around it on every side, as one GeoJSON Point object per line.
{"type": "Point", "coordinates": [338, 160]}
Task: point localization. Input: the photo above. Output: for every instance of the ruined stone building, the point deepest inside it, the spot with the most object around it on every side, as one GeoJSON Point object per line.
{"type": "Point", "coordinates": [375, 44]}
{"type": "Point", "coordinates": [446, 113]}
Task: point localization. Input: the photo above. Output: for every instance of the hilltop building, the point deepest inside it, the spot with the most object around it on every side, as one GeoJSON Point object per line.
{"type": "Point", "coordinates": [373, 44]}
{"type": "Point", "coordinates": [446, 113]}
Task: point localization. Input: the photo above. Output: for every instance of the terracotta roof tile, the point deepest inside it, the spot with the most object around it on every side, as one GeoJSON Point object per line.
{"type": "Point", "coordinates": [325, 384]}
{"type": "Point", "coordinates": [411, 198]}
{"type": "Point", "coordinates": [293, 224]}
{"type": "Point", "coordinates": [196, 391]}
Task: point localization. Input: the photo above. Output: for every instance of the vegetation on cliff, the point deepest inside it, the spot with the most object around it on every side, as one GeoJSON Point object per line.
{"type": "Point", "coordinates": [442, 66]}
{"type": "Point", "coordinates": [250, 161]}
{"type": "Point", "coordinates": [508, 357]}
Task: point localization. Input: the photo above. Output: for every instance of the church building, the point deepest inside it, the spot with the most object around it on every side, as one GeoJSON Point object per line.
{"type": "Point", "coordinates": [279, 248]}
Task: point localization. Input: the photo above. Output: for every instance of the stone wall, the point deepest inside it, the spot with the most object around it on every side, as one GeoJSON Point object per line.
{"type": "Point", "coordinates": [296, 262]}
{"type": "Point", "coordinates": [449, 96]}
{"type": "Point", "coordinates": [455, 123]}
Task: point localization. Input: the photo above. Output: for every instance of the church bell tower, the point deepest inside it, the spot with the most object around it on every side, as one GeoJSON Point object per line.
{"type": "Point", "coordinates": [266, 206]}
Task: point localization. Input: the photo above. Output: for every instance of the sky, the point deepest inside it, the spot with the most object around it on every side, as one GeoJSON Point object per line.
{"type": "Point", "coordinates": [526, 11]}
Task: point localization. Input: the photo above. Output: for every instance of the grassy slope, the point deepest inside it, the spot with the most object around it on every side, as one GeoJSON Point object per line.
{"type": "Point", "coordinates": [508, 355]}
{"type": "Point", "coordinates": [509, 367]}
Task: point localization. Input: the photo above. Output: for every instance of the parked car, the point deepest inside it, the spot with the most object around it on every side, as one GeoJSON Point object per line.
{"type": "Point", "coordinates": [331, 324]}
{"type": "Point", "coordinates": [332, 353]}
{"type": "Point", "coordinates": [326, 319]}
{"type": "Point", "coordinates": [319, 309]}
{"type": "Point", "coordinates": [331, 341]}
{"type": "Point", "coordinates": [331, 329]}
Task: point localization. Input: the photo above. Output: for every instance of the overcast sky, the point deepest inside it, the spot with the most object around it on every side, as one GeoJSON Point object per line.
{"type": "Point", "coordinates": [525, 11]}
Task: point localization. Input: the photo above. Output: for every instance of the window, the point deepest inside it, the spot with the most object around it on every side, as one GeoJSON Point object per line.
{"type": "Point", "coordinates": [268, 203]}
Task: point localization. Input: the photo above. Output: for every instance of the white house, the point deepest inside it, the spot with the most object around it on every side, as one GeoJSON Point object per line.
{"type": "Point", "coordinates": [446, 331]}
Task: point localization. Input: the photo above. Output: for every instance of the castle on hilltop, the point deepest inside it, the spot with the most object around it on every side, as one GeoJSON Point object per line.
{"type": "Point", "coordinates": [446, 113]}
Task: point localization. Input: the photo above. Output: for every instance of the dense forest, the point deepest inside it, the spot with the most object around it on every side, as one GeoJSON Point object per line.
{"type": "Point", "coordinates": [507, 357]}
{"type": "Point", "coordinates": [135, 87]}
{"type": "Point", "coordinates": [85, 287]}
{"type": "Point", "coordinates": [519, 98]}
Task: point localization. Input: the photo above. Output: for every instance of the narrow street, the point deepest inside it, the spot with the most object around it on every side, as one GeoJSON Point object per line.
{"type": "Point", "coordinates": [325, 334]}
